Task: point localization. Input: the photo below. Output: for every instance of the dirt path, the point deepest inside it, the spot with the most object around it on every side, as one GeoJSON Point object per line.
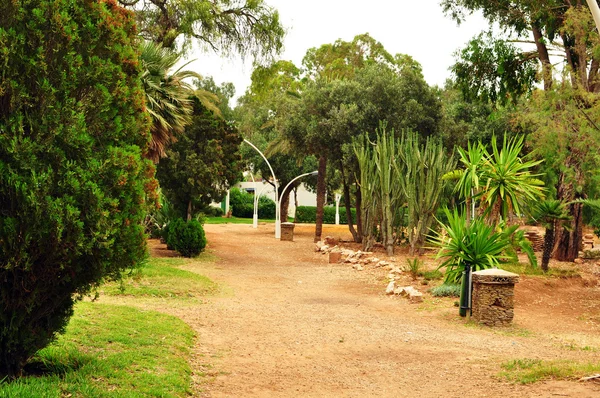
{"type": "Point", "coordinates": [295, 326]}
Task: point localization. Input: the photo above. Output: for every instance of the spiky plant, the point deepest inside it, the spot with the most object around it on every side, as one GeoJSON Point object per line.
{"type": "Point", "coordinates": [477, 245]}
{"type": "Point", "coordinates": [508, 180]}
{"type": "Point", "coordinates": [168, 96]}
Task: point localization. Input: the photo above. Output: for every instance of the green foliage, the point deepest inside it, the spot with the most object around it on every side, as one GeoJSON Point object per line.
{"type": "Point", "coordinates": [112, 351]}
{"type": "Point", "coordinates": [420, 174]}
{"type": "Point", "coordinates": [187, 238]}
{"type": "Point", "coordinates": [431, 275]}
{"type": "Point", "coordinates": [203, 163]}
{"type": "Point", "coordinates": [74, 189]}
{"type": "Point", "coordinates": [246, 27]}
{"type": "Point", "coordinates": [491, 69]}
{"type": "Point", "coordinates": [477, 245]}
{"type": "Point", "coordinates": [446, 290]}
{"type": "Point", "coordinates": [242, 205]}
{"type": "Point", "coordinates": [168, 96]}
{"type": "Point", "coordinates": [308, 214]}
{"type": "Point", "coordinates": [159, 218]}
{"type": "Point", "coordinates": [414, 267]}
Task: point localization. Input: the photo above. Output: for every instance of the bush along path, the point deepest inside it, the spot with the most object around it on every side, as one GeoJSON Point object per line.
{"type": "Point", "coordinates": [284, 322]}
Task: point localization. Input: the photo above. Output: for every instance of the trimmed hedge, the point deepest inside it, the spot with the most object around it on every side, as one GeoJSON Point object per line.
{"type": "Point", "coordinates": [308, 214]}
{"type": "Point", "coordinates": [242, 205]}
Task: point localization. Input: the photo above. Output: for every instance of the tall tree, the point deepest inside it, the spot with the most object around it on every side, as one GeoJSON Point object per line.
{"type": "Point", "coordinates": [225, 26]}
{"type": "Point", "coordinates": [73, 184]}
{"type": "Point", "coordinates": [203, 163]}
{"type": "Point", "coordinates": [567, 27]}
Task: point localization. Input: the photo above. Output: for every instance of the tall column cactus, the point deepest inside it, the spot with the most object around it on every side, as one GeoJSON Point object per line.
{"type": "Point", "coordinates": [422, 183]}
{"type": "Point", "coordinates": [368, 183]}
{"type": "Point", "coordinates": [385, 156]}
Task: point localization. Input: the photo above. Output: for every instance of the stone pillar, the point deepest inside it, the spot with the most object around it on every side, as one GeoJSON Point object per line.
{"type": "Point", "coordinates": [493, 297]}
{"type": "Point", "coordinates": [287, 231]}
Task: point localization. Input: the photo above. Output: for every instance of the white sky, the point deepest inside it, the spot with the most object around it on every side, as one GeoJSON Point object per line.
{"type": "Point", "coordinates": [416, 27]}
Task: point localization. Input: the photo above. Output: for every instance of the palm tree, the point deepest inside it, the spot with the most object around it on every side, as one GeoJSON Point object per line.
{"type": "Point", "coordinates": [548, 213]}
{"type": "Point", "coordinates": [169, 98]}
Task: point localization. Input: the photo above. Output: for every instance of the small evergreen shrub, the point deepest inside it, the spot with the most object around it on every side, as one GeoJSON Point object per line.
{"type": "Point", "coordinates": [187, 238]}
{"type": "Point", "coordinates": [74, 187]}
{"type": "Point", "coordinates": [242, 205]}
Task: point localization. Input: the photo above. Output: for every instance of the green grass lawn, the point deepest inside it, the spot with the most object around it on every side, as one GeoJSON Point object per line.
{"type": "Point", "coordinates": [111, 351]}
{"type": "Point", "coordinates": [164, 277]}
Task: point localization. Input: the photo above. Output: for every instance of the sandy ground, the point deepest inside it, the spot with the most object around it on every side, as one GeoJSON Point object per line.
{"type": "Point", "coordinates": [292, 325]}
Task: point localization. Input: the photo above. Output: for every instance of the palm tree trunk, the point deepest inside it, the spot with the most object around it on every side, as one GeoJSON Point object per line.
{"type": "Point", "coordinates": [548, 246]}
{"type": "Point", "coordinates": [321, 191]}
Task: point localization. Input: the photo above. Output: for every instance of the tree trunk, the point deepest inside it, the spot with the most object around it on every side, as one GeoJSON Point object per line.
{"type": "Point", "coordinates": [285, 204]}
{"type": "Point", "coordinates": [321, 191]}
{"type": "Point", "coordinates": [295, 202]}
{"type": "Point", "coordinates": [359, 220]}
{"type": "Point", "coordinates": [543, 56]}
{"type": "Point", "coordinates": [189, 211]}
{"type": "Point", "coordinates": [548, 246]}
{"type": "Point", "coordinates": [569, 241]}
{"type": "Point", "coordinates": [348, 205]}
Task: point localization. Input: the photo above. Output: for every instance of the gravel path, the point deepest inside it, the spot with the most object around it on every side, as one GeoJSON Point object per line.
{"type": "Point", "coordinates": [294, 326]}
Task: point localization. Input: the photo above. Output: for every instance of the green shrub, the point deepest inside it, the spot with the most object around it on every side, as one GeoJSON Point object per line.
{"type": "Point", "coordinates": [308, 214]}
{"type": "Point", "coordinates": [186, 237]}
{"type": "Point", "coordinates": [73, 184]}
{"type": "Point", "coordinates": [445, 290]}
{"type": "Point", "coordinates": [242, 205]}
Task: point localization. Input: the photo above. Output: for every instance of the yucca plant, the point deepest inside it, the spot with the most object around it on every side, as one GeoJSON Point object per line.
{"type": "Point", "coordinates": [476, 245]}
{"type": "Point", "coordinates": [468, 247]}
{"type": "Point", "coordinates": [508, 180]}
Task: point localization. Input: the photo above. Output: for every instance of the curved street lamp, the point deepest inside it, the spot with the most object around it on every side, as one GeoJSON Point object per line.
{"type": "Point", "coordinates": [277, 212]}
{"type": "Point", "coordinates": [278, 208]}
{"type": "Point", "coordinates": [595, 12]}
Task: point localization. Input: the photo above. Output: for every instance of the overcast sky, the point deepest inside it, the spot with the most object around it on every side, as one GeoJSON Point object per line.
{"type": "Point", "coordinates": [416, 27]}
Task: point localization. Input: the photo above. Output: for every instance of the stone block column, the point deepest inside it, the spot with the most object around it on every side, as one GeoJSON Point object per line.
{"type": "Point", "coordinates": [493, 297]}
{"type": "Point", "coordinates": [287, 231]}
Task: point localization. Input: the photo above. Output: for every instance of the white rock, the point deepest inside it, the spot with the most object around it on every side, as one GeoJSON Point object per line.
{"type": "Point", "coordinates": [390, 287]}
{"type": "Point", "coordinates": [375, 260]}
{"type": "Point", "coordinates": [324, 248]}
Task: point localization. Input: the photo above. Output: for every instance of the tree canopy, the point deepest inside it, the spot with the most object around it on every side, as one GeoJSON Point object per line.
{"type": "Point", "coordinates": [225, 26]}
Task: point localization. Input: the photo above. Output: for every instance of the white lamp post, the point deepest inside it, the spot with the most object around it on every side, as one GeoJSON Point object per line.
{"type": "Point", "coordinates": [278, 208]}
{"type": "Point", "coordinates": [595, 12]}
{"type": "Point", "coordinates": [338, 197]}
{"type": "Point", "coordinates": [277, 219]}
